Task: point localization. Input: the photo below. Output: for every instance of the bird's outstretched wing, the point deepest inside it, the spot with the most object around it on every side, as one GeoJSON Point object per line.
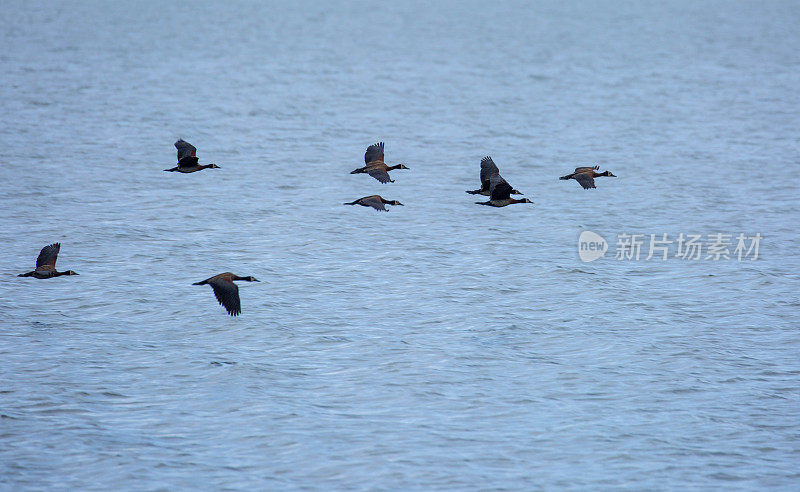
{"type": "Point", "coordinates": [185, 149]}
{"type": "Point", "coordinates": [488, 169]}
{"type": "Point", "coordinates": [227, 293]}
{"type": "Point", "coordinates": [374, 153]}
{"type": "Point", "coordinates": [374, 202]}
{"type": "Point", "coordinates": [380, 175]}
{"type": "Point", "coordinates": [586, 180]}
{"type": "Point", "coordinates": [48, 255]}
{"type": "Point", "coordinates": [501, 190]}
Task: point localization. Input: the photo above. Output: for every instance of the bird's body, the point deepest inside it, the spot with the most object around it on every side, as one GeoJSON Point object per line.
{"type": "Point", "coordinates": [46, 264]}
{"type": "Point", "coordinates": [187, 159]}
{"type": "Point", "coordinates": [488, 169]}
{"type": "Point", "coordinates": [226, 292]}
{"type": "Point", "coordinates": [375, 201]}
{"type": "Point", "coordinates": [585, 176]}
{"type": "Point", "coordinates": [501, 193]}
{"type": "Point", "coordinates": [375, 167]}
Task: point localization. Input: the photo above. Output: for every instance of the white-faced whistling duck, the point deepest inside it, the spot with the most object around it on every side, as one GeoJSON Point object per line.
{"type": "Point", "coordinates": [46, 264]}
{"type": "Point", "coordinates": [375, 167]}
{"type": "Point", "coordinates": [500, 195]}
{"type": "Point", "coordinates": [187, 159]}
{"type": "Point", "coordinates": [226, 291]}
{"type": "Point", "coordinates": [488, 169]}
{"type": "Point", "coordinates": [375, 201]}
{"type": "Point", "coordinates": [585, 176]}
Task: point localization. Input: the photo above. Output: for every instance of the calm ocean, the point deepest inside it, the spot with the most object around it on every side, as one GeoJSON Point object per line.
{"type": "Point", "coordinates": [442, 345]}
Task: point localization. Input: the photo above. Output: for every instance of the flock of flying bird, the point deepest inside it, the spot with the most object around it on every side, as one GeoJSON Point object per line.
{"type": "Point", "coordinates": [492, 184]}
{"type": "Point", "coordinates": [227, 292]}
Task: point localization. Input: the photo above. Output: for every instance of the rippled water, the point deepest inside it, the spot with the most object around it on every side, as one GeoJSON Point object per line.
{"type": "Point", "coordinates": [442, 344]}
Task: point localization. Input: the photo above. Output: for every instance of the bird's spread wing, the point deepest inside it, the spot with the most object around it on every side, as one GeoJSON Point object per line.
{"type": "Point", "coordinates": [185, 149]}
{"type": "Point", "coordinates": [374, 202]}
{"type": "Point", "coordinates": [501, 190]}
{"type": "Point", "coordinates": [188, 161]}
{"type": "Point", "coordinates": [586, 169]}
{"type": "Point", "coordinates": [494, 181]}
{"type": "Point", "coordinates": [586, 180]}
{"type": "Point", "coordinates": [488, 169]}
{"type": "Point", "coordinates": [379, 174]}
{"type": "Point", "coordinates": [227, 294]}
{"type": "Point", "coordinates": [48, 255]}
{"type": "Point", "coordinates": [374, 153]}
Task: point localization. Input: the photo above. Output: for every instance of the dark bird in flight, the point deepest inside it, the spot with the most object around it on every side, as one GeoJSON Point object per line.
{"type": "Point", "coordinates": [585, 176]}
{"type": "Point", "coordinates": [375, 201]}
{"type": "Point", "coordinates": [375, 166]}
{"type": "Point", "coordinates": [46, 264]}
{"type": "Point", "coordinates": [226, 291]}
{"type": "Point", "coordinates": [187, 159]}
{"type": "Point", "coordinates": [500, 194]}
{"type": "Point", "coordinates": [488, 169]}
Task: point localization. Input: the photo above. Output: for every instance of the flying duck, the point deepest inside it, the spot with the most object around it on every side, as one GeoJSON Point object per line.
{"type": "Point", "coordinates": [46, 264]}
{"type": "Point", "coordinates": [488, 169]}
{"type": "Point", "coordinates": [375, 166]}
{"type": "Point", "coordinates": [375, 201]}
{"type": "Point", "coordinates": [585, 176]}
{"type": "Point", "coordinates": [226, 291]}
{"type": "Point", "coordinates": [500, 194]}
{"type": "Point", "coordinates": [187, 159]}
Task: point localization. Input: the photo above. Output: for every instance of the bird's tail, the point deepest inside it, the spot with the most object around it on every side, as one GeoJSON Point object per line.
{"type": "Point", "coordinates": [357, 171]}
{"type": "Point", "coordinates": [568, 176]}
{"type": "Point", "coordinates": [200, 283]}
{"type": "Point", "coordinates": [474, 192]}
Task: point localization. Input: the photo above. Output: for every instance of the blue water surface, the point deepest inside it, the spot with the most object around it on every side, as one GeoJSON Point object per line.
{"type": "Point", "coordinates": [442, 345]}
